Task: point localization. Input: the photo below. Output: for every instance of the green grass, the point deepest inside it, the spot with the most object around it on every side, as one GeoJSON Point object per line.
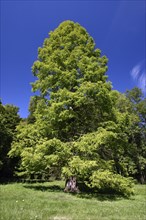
{"type": "Point", "coordinates": [47, 201]}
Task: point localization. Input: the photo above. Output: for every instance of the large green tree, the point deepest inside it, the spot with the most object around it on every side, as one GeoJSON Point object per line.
{"type": "Point", "coordinates": [77, 124]}
{"type": "Point", "coordinates": [74, 93]}
{"type": "Point", "coordinates": [71, 78]}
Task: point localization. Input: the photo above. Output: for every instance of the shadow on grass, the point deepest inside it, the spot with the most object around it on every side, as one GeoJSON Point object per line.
{"type": "Point", "coordinates": [99, 196]}
{"type": "Point", "coordinates": [88, 193]}
{"type": "Point", "coordinates": [53, 188]}
{"type": "Point", "coordinates": [83, 194]}
{"type": "Point", "coordinates": [84, 191]}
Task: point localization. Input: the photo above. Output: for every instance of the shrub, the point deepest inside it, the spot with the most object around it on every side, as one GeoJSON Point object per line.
{"type": "Point", "coordinates": [108, 182]}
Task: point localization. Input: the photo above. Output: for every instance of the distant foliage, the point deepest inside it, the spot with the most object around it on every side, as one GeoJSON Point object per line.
{"type": "Point", "coordinates": [9, 119]}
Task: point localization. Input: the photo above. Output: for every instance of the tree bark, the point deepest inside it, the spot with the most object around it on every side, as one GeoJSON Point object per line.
{"type": "Point", "coordinates": [71, 185]}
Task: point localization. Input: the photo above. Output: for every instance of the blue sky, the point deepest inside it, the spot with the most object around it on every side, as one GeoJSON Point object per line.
{"type": "Point", "coordinates": [118, 28]}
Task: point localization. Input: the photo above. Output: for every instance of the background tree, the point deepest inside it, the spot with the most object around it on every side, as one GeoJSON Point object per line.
{"type": "Point", "coordinates": [132, 106]}
{"type": "Point", "coordinates": [32, 107]}
{"type": "Point", "coordinates": [9, 119]}
{"type": "Point", "coordinates": [137, 133]}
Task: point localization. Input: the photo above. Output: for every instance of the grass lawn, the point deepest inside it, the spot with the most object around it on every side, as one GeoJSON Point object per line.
{"type": "Point", "coordinates": [47, 201]}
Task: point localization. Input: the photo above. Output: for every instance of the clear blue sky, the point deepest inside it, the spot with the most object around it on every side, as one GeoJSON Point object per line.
{"type": "Point", "coordinates": [118, 28]}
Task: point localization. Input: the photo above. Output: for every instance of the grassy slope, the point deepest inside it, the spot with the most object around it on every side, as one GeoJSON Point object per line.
{"type": "Point", "coordinates": [47, 201]}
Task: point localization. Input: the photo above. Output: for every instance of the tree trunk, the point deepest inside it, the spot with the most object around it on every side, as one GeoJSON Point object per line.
{"type": "Point", "coordinates": [71, 185]}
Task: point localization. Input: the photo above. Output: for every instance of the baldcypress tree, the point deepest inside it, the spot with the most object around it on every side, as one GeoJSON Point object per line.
{"type": "Point", "coordinates": [71, 79]}
{"type": "Point", "coordinates": [73, 123]}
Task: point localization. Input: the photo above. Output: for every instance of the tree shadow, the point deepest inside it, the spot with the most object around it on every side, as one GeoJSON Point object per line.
{"type": "Point", "coordinates": [53, 188]}
{"type": "Point", "coordinates": [87, 193]}
{"type": "Point", "coordinates": [84, 193]}
{"type": "Point", "coordinates": [99, 196]}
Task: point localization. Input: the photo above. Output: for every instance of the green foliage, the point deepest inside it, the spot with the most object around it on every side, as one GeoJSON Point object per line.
{"type": "Point", "coordinates": [108, 182]}
{"type": "Point", "coordinates": [135, 95]}
{"type": "Point", "coordinates": [137, 132]}
{"type": "Point", "coordinates": [71, 74]}
{"type": "Point", "coordinates": [26, 137]}
{"type": "Point", "coordinates": [39, 156]}
{"type": "Point", "coordinates": [67, 59]}
{"type": "Point", "coordinates": [9, 119]}
{"type": "Point", "coordinates": [98, 160]}
{"type": "Point", "coordinates": [130, 111]}
{"type": "Point", "coordinates": [32, 107]}
{"type": "Point", "coordinates": [80, 168]}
